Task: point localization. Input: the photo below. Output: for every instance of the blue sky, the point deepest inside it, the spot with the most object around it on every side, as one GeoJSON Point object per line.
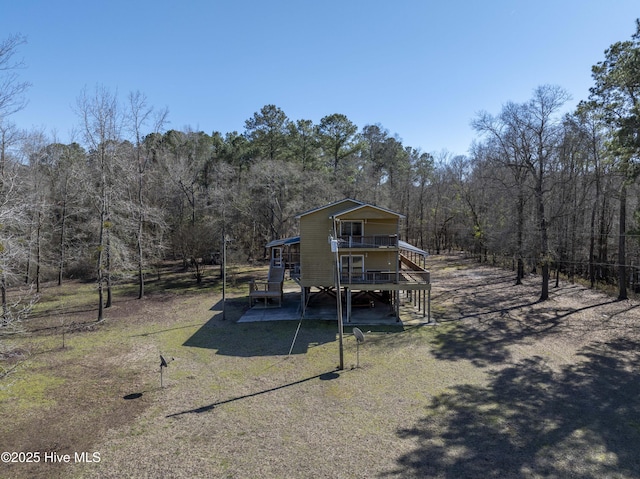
{"type": "Point", "coordinates": [421, 69]}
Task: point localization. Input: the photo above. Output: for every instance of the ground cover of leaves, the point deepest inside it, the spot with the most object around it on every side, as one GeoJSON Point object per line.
{"type": "Point", "coordinates": [502, 387]}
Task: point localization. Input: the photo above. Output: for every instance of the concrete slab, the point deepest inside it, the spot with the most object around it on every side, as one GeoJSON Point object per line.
{"type": "Point", "coordinates": [319, 310]}
{"type": "Point", "coordinates": [289, 311]}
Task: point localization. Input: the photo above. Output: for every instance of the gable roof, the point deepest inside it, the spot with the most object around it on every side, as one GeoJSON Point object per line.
{"type": "Point", "coordinates": [348, 208]}
{"type": "Point", "coordinates": [329, 206]}
{"type": "Point", "coordinates": [366, 205]}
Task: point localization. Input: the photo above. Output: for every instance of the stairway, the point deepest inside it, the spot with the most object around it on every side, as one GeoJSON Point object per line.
{"type": "Point", "coordinates": [272, 288]}
{"type": "Point", "coordinates": [276, 273]}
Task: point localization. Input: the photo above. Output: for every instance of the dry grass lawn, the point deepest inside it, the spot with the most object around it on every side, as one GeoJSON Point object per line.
{"type": "Point", "coordinates": [502, 387]}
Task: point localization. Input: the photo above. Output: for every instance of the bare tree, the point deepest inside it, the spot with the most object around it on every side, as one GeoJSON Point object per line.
{"type": "Point", "coordinates": [101, 124]}
{"type": "Point", "coordinates": [37, 202]}
{"type": "Point", "coordinates": [13, 250]}
{"type": "Point", "coordinates": [139, 115]}
{"type": "Point", "coordinates": [502, 150]}
{"type": "Point", "coordinates": [528, 135]}
{"type": "Point", "coordinates": [12, 89]}
{"type": "Point", "coordinates": [545, 136]}
{"type": "Point", "coordinates": [66, 166]}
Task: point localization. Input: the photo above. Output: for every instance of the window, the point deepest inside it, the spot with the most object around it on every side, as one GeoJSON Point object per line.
{"type": "Point", "coordinates": [351, 228]}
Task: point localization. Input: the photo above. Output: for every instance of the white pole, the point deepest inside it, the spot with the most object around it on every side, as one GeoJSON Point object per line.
{"type": "Point", "coordinates": [334, 248]}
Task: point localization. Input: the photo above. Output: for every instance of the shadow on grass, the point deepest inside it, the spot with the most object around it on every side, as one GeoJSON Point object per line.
{"type": "Point", "coordinates": [328, 376]}
{"type": "Point", "coordinates": [489, 343]}
{"type": "Point", "coordinates": [268, 338]}
{"type": "Point", "coordinates": [160, 331]}
{"type": "Point", "coordinates": [533, 421]}
{"type": "Point", "coordinates": [274, 338]}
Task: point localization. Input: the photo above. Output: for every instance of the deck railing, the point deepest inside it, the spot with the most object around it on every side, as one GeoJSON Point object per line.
{"type": "Point", "coordinates": [375, 241]}
{"type": "Point", "coordinates": [388, 277]}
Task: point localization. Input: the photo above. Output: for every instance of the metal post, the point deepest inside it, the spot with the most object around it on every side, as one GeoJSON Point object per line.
{"type": "Point", "coordinates": [224, 273]}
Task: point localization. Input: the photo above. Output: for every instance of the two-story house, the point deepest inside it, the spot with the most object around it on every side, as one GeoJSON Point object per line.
{"type": "Point", "coordinates": [361, 243]}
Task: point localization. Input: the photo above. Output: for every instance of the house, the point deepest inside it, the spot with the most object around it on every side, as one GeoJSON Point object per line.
{"type": "Point", "coordinates": [361, 242]}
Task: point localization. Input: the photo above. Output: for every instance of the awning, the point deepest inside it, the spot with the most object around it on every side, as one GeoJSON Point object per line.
{"type": "Point", "coordinates": [283, 242]}
{"type": "Point", "coordinates": [409, 247]}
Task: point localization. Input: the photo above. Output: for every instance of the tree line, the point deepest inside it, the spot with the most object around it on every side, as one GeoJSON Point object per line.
{"type": "Point", "coordinates": [541, 189]}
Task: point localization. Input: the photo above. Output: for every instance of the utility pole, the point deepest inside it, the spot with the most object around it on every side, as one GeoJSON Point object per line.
{"type": "Point", "coordinates": [334, 249]}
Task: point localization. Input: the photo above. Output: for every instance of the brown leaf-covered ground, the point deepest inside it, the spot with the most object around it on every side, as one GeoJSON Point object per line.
{"type": "Point", "coordinates": [503, 386]}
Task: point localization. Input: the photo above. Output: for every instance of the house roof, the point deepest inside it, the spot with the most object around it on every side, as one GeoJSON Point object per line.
{"type": "Point", "coordinates": [328, 206]}
{"type": "Point", "coordinates": [283, 242]}
{"type": "Point", "coordinates": [348, 209]}
{"type": "Point", "coordinates": [365, 205]}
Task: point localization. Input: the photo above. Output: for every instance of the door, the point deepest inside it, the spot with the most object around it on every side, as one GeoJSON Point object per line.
{"type": "Point", "coordinates": [352, 268]}
{"type": "Point", "coordinates": [276, 257]}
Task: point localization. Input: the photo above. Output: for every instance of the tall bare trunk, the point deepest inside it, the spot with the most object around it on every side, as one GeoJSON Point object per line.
{"type": "Point", "coordinates": [519, 237]}
{"type": "Point", "coordinates": [38, 250]}
{"type": "Point", "coordinates": [622, 256]}
{"type": "Point", "coordinates": [63, 225]}
{"type": "Point", "coordinates": [100, 267]}
{"type": "Point", "coordinates": [5, 305]}
{"type": "Point", "coordinates": [544, 240]}
{"type": "Point", "coordinates": [140, 262]}
{"type": "Point", "coordinates": [592, 242]}
{"type": "Point", "coordinates": [108, 269]}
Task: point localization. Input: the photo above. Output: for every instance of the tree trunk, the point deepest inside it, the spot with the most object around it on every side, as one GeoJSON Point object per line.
{"type": "Point", "coordinates": [519, 233]}
{"type": "Point", "coordinates": [140, 266]}
{"type": "Point", "coordinates": [38, 251]}
{"type": "Point", "coordinates": [544, 234]}
{"type": "Point", "coordinates": [5, 305]}
{"type": "Point", "coordinates": [622, 269]}
{"type": "Point", "coordinates": [27, 275]}
{"type": "Point", "coordinates": [62, 232]}
{"type": "Point", "coordinates": [544, 295]}
{"type": "Point", "coordinates": [108, 270]}
{"type": "Point", "coordinates": [100, 269]}
{"type": "Point", "coordinates": [592, 243]}
{"type": "Point", "coordinates": [139, 239]}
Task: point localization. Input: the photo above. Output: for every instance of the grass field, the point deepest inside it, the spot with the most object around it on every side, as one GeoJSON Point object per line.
{"type": "Point", "coordinates": [501, 387]}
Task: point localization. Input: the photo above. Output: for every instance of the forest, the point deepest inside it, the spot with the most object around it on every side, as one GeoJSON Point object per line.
{"type": "Point", "coordinates": [540, 190]}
